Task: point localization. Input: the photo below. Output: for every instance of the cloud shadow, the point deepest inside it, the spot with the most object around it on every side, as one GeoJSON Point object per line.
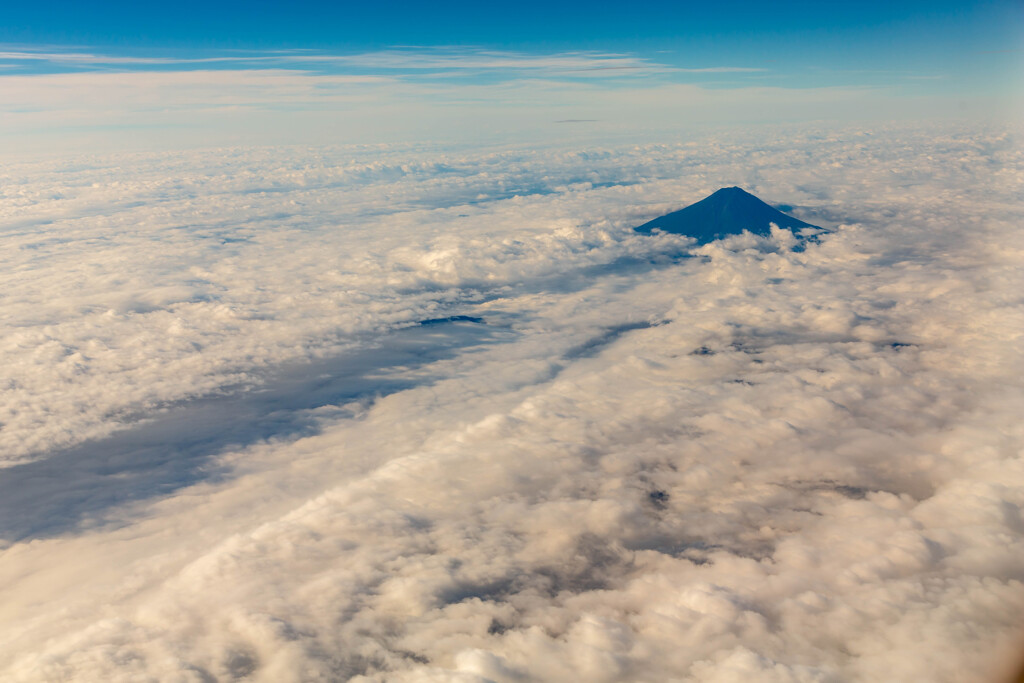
{"type": "Point", "coordinates": [79, 486]}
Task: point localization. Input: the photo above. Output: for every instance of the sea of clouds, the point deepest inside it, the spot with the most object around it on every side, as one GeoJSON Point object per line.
{"type": "Point", "coordinates": [231, 450]}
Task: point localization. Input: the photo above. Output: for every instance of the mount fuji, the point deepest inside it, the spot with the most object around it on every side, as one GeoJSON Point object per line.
{"type": "Point", "coordinates": [729, 211]}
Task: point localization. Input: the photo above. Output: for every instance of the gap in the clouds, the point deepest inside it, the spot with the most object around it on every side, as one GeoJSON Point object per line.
{"type": "Point", "coordinates": [81, 486]}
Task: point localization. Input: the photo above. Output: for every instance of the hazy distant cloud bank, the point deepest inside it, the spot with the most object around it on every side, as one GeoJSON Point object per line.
{"type": "Point", "coordinates": [61, 99]}
{"type": "Point", "coordinates": [757, 464]}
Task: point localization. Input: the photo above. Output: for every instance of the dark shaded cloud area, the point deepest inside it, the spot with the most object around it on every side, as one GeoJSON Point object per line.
{"type": "Point", "coordinates": [175, 448]}
{"type": "Point", "coordinates": [409, 414]}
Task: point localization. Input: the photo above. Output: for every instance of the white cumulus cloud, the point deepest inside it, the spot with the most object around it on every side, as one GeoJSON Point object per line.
{"type": "Point", "coordinates": [757, 462]}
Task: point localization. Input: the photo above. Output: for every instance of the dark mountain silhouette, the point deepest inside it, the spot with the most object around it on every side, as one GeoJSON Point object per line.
{"type": "Point", "coordinates": [728, 211]}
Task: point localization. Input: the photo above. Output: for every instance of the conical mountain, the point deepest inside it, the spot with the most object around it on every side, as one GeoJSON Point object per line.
{"type": "Point", "coordinates": [728, 211]}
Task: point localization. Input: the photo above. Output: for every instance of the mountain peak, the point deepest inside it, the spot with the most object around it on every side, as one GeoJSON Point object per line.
{"type": "Point", "coordinates": [727, 211]}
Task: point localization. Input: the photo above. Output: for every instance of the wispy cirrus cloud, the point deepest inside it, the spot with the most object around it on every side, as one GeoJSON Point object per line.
{"type": "Point", "coordinates": [399, 60]}
{"type": "Point", "coordinates": [79, 58]}
{"type": "Point", "coordinates": [460, 59]}
{"type": "Point", "coordinates": [56, 57]}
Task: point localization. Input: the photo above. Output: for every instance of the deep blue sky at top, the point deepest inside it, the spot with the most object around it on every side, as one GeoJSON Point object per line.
{"type": "Point", "coordinates": [551, 24]}
{"type": "Point", "coordinates": [978, 42]}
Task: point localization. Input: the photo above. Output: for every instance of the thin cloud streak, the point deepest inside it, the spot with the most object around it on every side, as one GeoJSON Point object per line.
{"type": "Point", "coordinates": [401, 60]}
{"type": "Point", "coordinates": [95, 59]}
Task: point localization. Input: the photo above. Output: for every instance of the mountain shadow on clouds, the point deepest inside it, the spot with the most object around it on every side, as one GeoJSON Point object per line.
{"type": "Point", "coordinates": [87, 484]}
{"type": "Point", "coordinates": [729, 211]}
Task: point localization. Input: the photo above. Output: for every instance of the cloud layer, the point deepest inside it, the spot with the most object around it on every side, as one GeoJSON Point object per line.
{"type": "Point", "coordinates": [759, 463]}
{"type": "Point", "coordinates": [56, 100]}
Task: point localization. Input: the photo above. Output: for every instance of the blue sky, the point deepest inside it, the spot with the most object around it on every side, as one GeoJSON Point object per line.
{"type": "Point", "coordinates": [798, 44]}
{"type": "Point", "coordinates": [743, 61]}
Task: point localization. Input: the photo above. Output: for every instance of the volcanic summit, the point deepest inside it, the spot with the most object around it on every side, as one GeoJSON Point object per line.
{"type": "Point", "coordinates": [729, 211]}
